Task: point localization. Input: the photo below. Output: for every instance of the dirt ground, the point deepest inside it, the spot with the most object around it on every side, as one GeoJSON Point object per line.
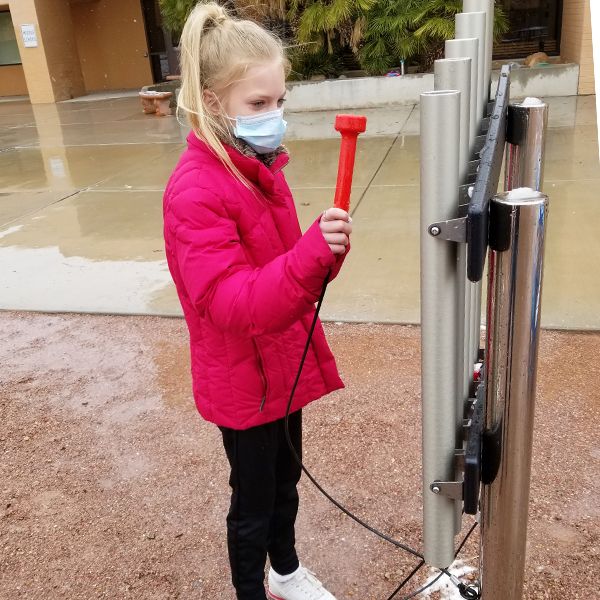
{"type": "Point", "coordinates": [111, 486]}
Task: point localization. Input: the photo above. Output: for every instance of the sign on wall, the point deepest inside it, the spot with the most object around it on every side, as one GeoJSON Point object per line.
{"type": "Point", "coordinates": [29, 36]}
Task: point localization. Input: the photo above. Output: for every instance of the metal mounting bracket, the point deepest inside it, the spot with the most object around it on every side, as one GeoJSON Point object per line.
{"type": "Point", "coordinates": [449, 489]}
{"type": "Point", "coordinates": [452, 489]}
{"type": "Point", "coordinates": [454, 230]}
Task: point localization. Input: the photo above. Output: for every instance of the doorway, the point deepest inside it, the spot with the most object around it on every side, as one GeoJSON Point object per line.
{"type": "Point", "coordinates": [534, 26]}
{"type": "Point", "coordinates": [162, 54]}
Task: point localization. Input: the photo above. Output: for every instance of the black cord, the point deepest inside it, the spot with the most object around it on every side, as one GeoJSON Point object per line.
{"type": "Point", "coordinates": [422, 589]}
{"type": "Point", "coordinates": [348, 513]}
{"type": "Point", "coordinates": [299, 460]}
{"type": "Point", "coordinates": [407, 579]}
{"type": "Point", "coordinates": [466, 591]}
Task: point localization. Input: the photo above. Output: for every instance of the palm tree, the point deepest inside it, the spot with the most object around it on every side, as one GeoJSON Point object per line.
{"type": "Point", "coordinates": [330, 24]}
{"type": "Point", "coordinates": [398, 30]}
{"type": "Point", "coordinates": [406, 29]}
{"type": "Point", "coordinates": [175, 12]}
{"type": "Point", "coordinates": [380, 33]}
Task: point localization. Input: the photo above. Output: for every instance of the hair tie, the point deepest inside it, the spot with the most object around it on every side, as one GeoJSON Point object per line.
{"type": "Point", "coordinates": [216, 21]}
{"type": "Point", "coordinates": [213, 22]}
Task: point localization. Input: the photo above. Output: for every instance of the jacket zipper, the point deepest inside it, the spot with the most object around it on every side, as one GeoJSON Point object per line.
{"type": "Point", "coordinates": [262, 376]}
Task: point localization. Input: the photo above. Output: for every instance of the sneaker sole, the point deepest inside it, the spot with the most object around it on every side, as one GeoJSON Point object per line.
{"type": "Point", "coordinates": [272, 596]}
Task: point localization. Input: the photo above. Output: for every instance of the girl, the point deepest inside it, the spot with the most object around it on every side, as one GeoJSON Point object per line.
{"type": "Point", "coordinates": [247, 280]}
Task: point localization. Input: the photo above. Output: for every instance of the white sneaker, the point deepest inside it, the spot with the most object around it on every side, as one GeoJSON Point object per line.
{"type": "Point", "coordinates": [302, 586]}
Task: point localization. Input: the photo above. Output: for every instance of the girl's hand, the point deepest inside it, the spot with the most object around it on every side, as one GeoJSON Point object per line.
{"type": "Point", "coordinates": [336, 227]}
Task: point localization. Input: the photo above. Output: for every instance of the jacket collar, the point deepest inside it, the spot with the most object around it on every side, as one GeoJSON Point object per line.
{"type": "Point", "coordinates": [251, 168]}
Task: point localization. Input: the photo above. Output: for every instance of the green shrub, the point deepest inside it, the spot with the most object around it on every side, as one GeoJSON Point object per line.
{"type": "Point", "coordinates": [413, 30]}
{"type": "Point", "coordinates": [380, 33]}
{"type": "Point", "coordinates": [308, 62]}
{"type": "Point", "coordinates": [175, 12]}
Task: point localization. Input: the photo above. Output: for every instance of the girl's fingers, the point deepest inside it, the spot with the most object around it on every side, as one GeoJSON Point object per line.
{"type": "Point", "coordinates": [337, 249]}
{"type": "Point", "coordinates": [336, 238]}
{"type": "Point", "coordinates": [336, 227]}
{"type": "Point", "coordinates": [334, 213]}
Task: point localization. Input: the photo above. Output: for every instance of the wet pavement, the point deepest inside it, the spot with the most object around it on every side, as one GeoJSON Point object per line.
{"type": "Point", "coordinates": [113, 486]}
{"type": "Point", "coordinates": [80, 209]}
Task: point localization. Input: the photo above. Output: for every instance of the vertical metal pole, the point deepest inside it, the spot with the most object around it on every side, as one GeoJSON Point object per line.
{"type": "Point", "coordinates": [475, 341]}
{"type": "Point", "coordinates": [440, 131]}
{"type": "Point", "coordinates": [514, 288]}
{"type": "Point", "coordinates": [486, 6]}
{"type": "Point", "coordinates": [477, 24]}
{"type": "Point", "coordinates": [472, 299]}
{"type": "Point", "coordinates": [489, 40]}
{"type": "Point", "coordinates": [525, 136]}
{"type": "Point", "coordinates": [472, 25]}
{"type": "Point", "coordinates": [455, 74]}
{"type": "Point", "coordinates": [468, 47]}
{"type": "Point", "coordinates": [517, 233]}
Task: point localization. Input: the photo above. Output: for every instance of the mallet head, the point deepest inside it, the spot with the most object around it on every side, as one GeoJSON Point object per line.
{"type": "Point", "coordinates": [350, 124]}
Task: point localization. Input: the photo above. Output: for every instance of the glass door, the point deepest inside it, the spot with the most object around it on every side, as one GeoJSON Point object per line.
{"type": "Point", "coordinates": [159, 42]}
{"type": "Point", "coordinates": [534, 26]}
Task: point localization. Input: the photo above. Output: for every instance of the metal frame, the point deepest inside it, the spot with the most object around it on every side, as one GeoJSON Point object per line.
{"type": "Point", "coordinates": [486, 183]}
{"type": "Point", "coordinates": [469, 428]}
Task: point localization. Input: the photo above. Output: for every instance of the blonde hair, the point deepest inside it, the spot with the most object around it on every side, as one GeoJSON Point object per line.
{"type": "Point", "coordinates": [216, 50]}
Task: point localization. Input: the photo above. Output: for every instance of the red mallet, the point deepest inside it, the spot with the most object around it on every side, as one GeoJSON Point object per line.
{"type": "Point", "coordinates": [349, 126]}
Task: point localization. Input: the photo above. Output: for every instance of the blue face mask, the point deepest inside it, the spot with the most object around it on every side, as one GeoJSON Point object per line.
{"type": "Point", "coordinates": [262, 132]}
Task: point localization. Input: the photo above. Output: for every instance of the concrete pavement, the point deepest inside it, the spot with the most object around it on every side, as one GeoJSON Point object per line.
{"type": "Point", "coordinates": [80, 209]}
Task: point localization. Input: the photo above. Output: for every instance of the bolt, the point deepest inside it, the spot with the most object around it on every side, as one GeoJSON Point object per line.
{"type": "Point", "coordinates": [434, 230]}
{"type": "Point", "coordinates": [436, 489]}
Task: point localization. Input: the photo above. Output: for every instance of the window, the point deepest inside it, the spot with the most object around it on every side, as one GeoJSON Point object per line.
{"type": "Point", "coordinates": [534, 26]}
{"type": "Point", "coordinates": [9, 51]}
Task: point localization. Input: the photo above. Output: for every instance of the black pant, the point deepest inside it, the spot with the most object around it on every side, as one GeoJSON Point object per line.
{"type": "Point", "coordinates": [264, 503]}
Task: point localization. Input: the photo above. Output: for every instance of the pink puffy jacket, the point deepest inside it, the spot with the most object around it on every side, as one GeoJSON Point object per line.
{"type": "Point", "coordinates": [247, 280]}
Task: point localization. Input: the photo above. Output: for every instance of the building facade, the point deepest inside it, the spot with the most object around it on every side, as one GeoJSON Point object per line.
{"type": "Point", "coordinates": [66, 49]}
{"type": "Point", "coordinates": [54, 50]}
{"type": "Point", "coordinates": [576, 41]}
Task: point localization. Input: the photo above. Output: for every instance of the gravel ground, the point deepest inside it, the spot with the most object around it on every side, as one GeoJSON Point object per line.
{"type": "Point", "coordinates": [111, 486]}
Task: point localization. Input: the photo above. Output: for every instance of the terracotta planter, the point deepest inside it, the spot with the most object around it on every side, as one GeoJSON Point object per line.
{"type": "Point", "coordinates": [157, 103]}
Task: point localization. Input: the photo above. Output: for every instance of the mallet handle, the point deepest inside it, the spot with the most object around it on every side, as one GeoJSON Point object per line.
{"type": "Point", "coordinates": [349, 126]}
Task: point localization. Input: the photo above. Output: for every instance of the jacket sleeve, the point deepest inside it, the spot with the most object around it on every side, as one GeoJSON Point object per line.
{"type": "Point", "coordinates": [224, 288]}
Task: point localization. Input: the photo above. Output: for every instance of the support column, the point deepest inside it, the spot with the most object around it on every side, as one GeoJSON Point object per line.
{"type": "Point", "coordinates": [440, 135]}
{"type": "Point", "coordinates": [52, 69]}
{"type": "Point", "coordinates": [515, 283]}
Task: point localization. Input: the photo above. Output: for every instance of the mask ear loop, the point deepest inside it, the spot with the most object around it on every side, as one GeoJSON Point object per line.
{"type": "Point", "coordinates": [223, 114]}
